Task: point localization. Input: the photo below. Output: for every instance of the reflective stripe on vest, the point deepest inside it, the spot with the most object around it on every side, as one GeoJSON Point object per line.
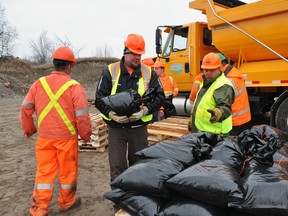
{"type": "Point", "coordinates": [143, 84]}
{"type": "Point", "coordinates": [54, 103]}
{"type": "Point", "coordinates": [202, 117]}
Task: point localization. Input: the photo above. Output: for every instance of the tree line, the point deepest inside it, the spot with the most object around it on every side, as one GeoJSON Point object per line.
{"type": "Point", "coordinates": [41, 47]}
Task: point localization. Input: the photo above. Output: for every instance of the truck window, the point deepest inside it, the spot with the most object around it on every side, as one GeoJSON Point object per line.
{"type": "Point", "coordinates": [207, 37]}
{"type": "Point", "coordinates": [180, 39]}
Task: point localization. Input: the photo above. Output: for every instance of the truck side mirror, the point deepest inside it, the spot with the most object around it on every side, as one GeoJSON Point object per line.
{"type": "Point", "coordinates": [158, 41]}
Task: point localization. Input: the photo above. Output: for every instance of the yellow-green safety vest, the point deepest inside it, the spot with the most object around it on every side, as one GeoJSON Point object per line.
{"type": "Point", "coordinates": [143, 85]}
{"type": "Point", "coordinates": [202, 116]}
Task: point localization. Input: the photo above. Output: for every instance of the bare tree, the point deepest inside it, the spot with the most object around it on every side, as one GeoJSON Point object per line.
{"type": "Point", "coordinates": [66, 42]}
{"type": "Point", "coordinates": [106, 51]}
{"type": "Point", "coordinates": [8, 35]}
{"type": "Point", "coordinates": [42, 48]}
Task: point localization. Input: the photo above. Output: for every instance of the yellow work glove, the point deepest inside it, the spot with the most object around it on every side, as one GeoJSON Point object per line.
{"type": "Point", "coordinates": [138, 115]}
{"type": "Point", "coordinates": [119, 119]}
{"type": "Point", "coordinates": [215, 115]}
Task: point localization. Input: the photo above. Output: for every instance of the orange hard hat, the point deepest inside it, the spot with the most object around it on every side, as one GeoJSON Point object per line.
{"type": "Point", "coordinates": [148, 62]}
{"type": "Point", "coordinates": [64, 53]}
{"type": "Point", "coordinates": [158, 64]}
{"type": "Point", "coordinates": [135, 43]}
{"type": "Point", "coordinates": [211, 61]}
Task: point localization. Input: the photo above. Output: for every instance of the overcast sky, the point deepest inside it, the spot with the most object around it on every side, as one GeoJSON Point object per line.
{"type": "Point", "coordinates": [90, 24]}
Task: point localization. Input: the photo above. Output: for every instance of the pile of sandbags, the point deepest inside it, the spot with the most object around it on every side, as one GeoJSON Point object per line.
{"type": "Point", "coordinates": [204, 174]}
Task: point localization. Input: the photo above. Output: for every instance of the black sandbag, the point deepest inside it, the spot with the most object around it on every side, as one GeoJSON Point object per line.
{"type": "Point", "coordinates": [209, 181]}
{"type": "Point", "coordinates": [169, 108]}
{"type": "Point", "coordinates": [148, 176]}
{"type": "Point", "coordinates": [124, 103]}
{"type": "Point", "coordinates": [266, 190]}
{"type": "Point", "coordinates": [185, 206]}
{"type": "Point", "coordinates": [236, 212]}
{"type": "Point", "coordinates": [135, 203]}
{"type": "Point", "coordinates": [175, 150]}
{"type": "Point", "coordinates": [230, 153]}
{"type": "Point", "coordinates": [281, 159]}
{"type": "Point", "coordinates": [261, 142]}
{"type": "Point", "coordinates": [203, 141]}
{"type": "Point", "coordinates": [149, 96]}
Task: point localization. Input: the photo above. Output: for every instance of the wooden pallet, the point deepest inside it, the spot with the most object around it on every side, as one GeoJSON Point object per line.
{"type": "Point", "coordinates": [99, 137]}
{"type": "Point", "coordinates": [168, 129]}
{"type": "Point", "coordinates": [89, 148]}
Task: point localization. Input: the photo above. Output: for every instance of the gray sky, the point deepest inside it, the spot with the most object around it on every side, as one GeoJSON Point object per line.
{"type": "Point", "coordinates": [90, 24]}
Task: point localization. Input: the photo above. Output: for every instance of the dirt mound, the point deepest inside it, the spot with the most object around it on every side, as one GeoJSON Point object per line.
{"type": "Point", "coordinates": [17, 75]}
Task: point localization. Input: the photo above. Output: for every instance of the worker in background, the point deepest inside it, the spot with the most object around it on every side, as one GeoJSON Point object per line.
{"type": "Point", "coordinates": [148, 61]}
{"type": "Point", "coordinates": [128, 135]}
{"type": "Point", "coordinates": [61, 107]}
{"type": "Point", "coordinates": [170, 89]}
{"type": "Point", "coordinates": [241, 114]}
{"type": "Point", "coordinates": [212, 107]}
{"type": "Point", "coordinates": [195, 87]}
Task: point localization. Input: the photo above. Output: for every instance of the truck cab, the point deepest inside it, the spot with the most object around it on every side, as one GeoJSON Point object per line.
{"type": "Point", "coordinates": [253, 36]}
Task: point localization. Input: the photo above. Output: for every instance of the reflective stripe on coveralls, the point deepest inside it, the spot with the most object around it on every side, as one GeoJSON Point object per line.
{"type": "Point", "coordinates": [143, 85]}
{"type": "Point", "coordinates": [202, 117]}
{"type": "Point", "coordinates": [54, 103]}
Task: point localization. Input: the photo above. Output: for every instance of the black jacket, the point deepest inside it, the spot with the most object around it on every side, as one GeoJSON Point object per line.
{"type": "Point", "coordinates": [127, 81]}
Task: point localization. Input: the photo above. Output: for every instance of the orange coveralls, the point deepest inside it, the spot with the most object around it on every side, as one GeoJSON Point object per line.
{"type": "Point", "coordinates": [61, 108]}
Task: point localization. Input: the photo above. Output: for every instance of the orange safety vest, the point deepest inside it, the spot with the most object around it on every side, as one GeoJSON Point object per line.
{"type": "Point", "coordinates": [195, 86]}
{"type": "Point", "coordinates": [58, 116]}
{"type": "Point", "coordinates": [169, 85]}
{"type": "Point", "coordinates": [241, 113]}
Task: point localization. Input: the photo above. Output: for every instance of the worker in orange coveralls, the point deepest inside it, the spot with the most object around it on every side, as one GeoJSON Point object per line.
{"type": "Point", "coordinates": [170, 89]}
{"type": "Point", "coordinates": [241, 114]}
{"type": "Point", "coordinates": [61, 107]}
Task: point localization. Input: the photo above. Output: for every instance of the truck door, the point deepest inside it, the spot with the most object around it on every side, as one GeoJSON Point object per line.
{"type": "Point", "coordinates": [176, 52]}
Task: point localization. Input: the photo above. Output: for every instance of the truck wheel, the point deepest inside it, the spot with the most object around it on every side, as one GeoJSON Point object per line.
{"type": "Point", "coordinates": [282, 116]}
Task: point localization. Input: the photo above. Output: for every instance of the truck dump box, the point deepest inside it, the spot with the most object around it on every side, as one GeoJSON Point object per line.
{"type": "Point", "coordinates": [264, 20]}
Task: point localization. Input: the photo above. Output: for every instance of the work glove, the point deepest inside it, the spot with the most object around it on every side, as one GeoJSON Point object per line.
{"type": "Point", "coordinates": [215, 115]}
{"type": "Point", "coordinates": [138, 115]}
{"type": "Point", "coordinates": [118, 119]}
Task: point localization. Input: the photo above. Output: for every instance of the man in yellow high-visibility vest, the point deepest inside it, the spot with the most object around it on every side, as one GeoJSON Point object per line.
{"type": "Point", "coordinates": [128, 134]}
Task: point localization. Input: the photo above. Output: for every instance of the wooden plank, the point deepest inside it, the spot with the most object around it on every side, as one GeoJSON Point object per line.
{"type": "Point", "coordinates": [164, 132]}
{"type": "Point", "coordinates": [168, 129]}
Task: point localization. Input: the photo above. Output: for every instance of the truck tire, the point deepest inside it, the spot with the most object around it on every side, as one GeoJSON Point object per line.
{"type": "Point", "coordinates": [281, 119]}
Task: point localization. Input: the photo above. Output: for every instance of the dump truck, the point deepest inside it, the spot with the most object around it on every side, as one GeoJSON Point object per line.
{"type": "Point", "coordinates": [253, 36]}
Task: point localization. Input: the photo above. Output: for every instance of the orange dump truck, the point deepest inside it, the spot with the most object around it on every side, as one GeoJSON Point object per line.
{"type": "Point", "coordinates": [254, 36]}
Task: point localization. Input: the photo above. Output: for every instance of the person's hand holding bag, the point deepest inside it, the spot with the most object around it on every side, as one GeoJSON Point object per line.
{"type": "Point", "coordinates": [119, 119]}
{"type": "Point", "coordinates": [138, 115]}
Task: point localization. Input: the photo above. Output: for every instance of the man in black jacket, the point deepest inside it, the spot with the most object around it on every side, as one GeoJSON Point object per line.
{"type": "Point", "coordinates": [128, 133]}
